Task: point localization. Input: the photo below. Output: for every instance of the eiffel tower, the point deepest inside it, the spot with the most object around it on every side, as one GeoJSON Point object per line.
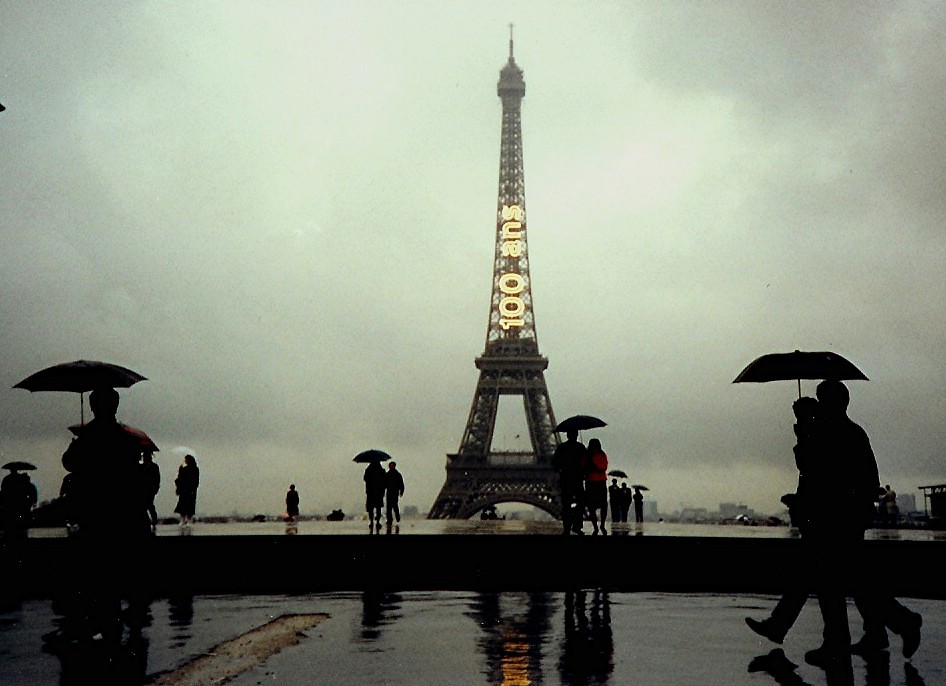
{"type": "Point", "coordinates": [511, 364]}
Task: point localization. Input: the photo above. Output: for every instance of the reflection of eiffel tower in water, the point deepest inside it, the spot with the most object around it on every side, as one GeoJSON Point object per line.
{"type": "Point", "coordinates": [477, 476]}
{"type": "Point", "coordinates": [516, 629]}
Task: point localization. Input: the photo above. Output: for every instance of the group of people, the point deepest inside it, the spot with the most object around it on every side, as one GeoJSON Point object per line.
{"type": "Point", "coordinates": [383, 489]}
{"type": "Point", "coordinates": [18, 495]}
{"type": "Point", "coordinates": [584, 490]}
{"type": "Point", "coordinates": [833, 506]}
{"type": "Point", "coordinates": [108, 495]}
{"type": "Point", "coordinates": [621, 498]}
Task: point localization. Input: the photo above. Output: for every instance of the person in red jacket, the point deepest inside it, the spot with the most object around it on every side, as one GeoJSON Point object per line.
{"type": "Point", "coordinates": [596, 485]}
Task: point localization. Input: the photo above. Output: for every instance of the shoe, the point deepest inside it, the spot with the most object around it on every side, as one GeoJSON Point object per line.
{"type": "Point", "coordinates": [764, 629]}
{"type": "Point", "coordinates": [870, 645]}
{"type": "Point", "coordinates": [823, 657]}
{"type": "Point", "coordinates": [911, 635]}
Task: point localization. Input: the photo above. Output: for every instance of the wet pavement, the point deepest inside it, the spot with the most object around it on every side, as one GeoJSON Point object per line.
{"type": "Point", "coordinates": [513, 638]}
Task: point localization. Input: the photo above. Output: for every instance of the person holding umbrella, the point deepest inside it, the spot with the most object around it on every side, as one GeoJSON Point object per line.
{"type": "Point", "coordinates": [105, 490]}
{"type": "Point", "coordinates": [186, 484]}
{"type": "Point", "coordinates": [569, 460]}
{"type": "Point", "coordinates": [375, 486]}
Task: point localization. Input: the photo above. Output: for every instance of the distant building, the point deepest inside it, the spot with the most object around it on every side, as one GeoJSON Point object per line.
{"type": "Point", "coordinates": [651, 514]}
{"type": "Point", "coordinates": [906, 503]}
{"type": "Point", "coordinates": [733, 510]}
{"type": "Point", "coordinates": [698, 514]}
{"type": "Point", "coordinates": [410, 512]}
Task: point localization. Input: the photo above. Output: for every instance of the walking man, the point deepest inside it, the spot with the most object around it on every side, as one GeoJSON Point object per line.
{"type": "Point", "coordinates": [393, 489]}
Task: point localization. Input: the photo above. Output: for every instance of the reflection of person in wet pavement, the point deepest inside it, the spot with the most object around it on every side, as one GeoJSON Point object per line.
{"type": "Point", "coordinates": [587, 644]}
{"type": "Point", "coordinates": [105, 490]}
{"type": "Point", "coordinates": [292, 503]}
{"type": "Point", "coordinates": [186, 484]}
{"type": "Point", "coordinates": [569, 460]}
{"type": "Point", "coordinates": [596, 485]}
{"type": "Point", "coordinates": [374, 493]}
{"type": "Point", "coordinates": [841, 483]}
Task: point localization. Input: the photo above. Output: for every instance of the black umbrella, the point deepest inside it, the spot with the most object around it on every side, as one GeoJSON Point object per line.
{"type": "Point", "coordinates": [372, 456]}
{"type": "Point", "coordinates": [18, 466]}
{"type": "Point", "coordinates": [80, 376]}
{"type": "Point", "coordinates": [580, 422]}
{"type": "Point", "coordinates": [641, 487]}
{"type": "Point", "coordinates": [799, 365]}
{"type": "Point", "coordinates": [620, 473]}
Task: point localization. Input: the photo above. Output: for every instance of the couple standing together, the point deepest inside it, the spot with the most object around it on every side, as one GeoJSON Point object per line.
{"type": "Point", "coordinates": [838, 484]}
{"type": "Point", "coordinates": [583, 481]}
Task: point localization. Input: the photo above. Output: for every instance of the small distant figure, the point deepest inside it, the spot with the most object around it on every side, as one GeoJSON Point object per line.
{"type": "Point", "coordinates": [569, 460]}
{"type": "Point", "coordinates": [614, 500]}
{"type": "Point", "coordinates": [638, 505]}
{"type": "Point", "coordinates": [186, 483]}
{"type": "Point", "coordinates": [596, 486]}
{"type": "Point", "coordinates": [375, 486]}
{"type": "Point", "coordinates": [888, 510]}
{"type": "Point", "coordinates": [151, 484]}
{"type": "Point", "coordinates": [393, 489]}
{"type": "Point", "coordinates": [292, 503]}
{"type": "Point", "coordinates": [625, 500]}
{"type": "Point", "coordinates": [18, 496]}
{"type": "Point", "coordinates": [335, 516]}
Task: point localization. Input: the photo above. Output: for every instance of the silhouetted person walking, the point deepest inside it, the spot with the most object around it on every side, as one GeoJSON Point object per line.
{"type": "Point", "coordinates": [292, 503]}
{"type": "Point", "coordinates": [393, 490]}
{"type": "Point", "coordinates": [569, 460]}
{"type": "Point", "coordinates": [374, 493]}
{"type": "Point", "coordinates": [186, 484]}
{"type": "Point", "coordinates": [596, 485]}
{"type": "Point", "coordinates": [843, 482]}
{"type": "Point", "coordinates": [151, 484]}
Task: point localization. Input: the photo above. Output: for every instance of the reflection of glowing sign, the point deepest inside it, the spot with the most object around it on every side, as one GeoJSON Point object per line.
{"type": "Point", "coordinates": [511, 306]}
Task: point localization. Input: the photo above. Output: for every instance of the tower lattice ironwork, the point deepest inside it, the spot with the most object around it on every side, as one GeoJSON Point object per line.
{"type": "Point", "coordinates": [477, 476]}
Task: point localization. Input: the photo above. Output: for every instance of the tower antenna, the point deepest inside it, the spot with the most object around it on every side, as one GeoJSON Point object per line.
{"type": "Point", "coordinates": [510, 41]}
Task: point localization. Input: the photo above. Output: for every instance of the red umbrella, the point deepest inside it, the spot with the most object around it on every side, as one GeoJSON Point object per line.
{"type": "Point", "coordinates": [143, 439]}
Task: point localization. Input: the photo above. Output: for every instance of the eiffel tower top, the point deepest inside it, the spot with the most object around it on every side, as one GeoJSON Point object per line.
{"type": "Point", "coordinates": [511, 329]}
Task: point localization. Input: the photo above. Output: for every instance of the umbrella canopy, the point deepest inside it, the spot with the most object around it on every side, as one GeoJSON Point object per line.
{"type": "Point", "coordinates": [18, 466]}
{"type": "Point", "coordinates": [144, 440]}
{"type": "Point", "coordinates": [372, 456]}
{"type": "Point", "coordinates": [620, 473]}
{"type": "Point", "coordinates": [80, 376]}
{"type": "Point", "coordinates": [640, 487]}
{"type": "Point", "coordinates": [799, 365]}
{"type": "Point", "coordinates": [580, 422]}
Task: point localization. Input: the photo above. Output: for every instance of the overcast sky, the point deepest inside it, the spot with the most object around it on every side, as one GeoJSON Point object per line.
{"type": "Point", "coordinates": [282, 214]}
